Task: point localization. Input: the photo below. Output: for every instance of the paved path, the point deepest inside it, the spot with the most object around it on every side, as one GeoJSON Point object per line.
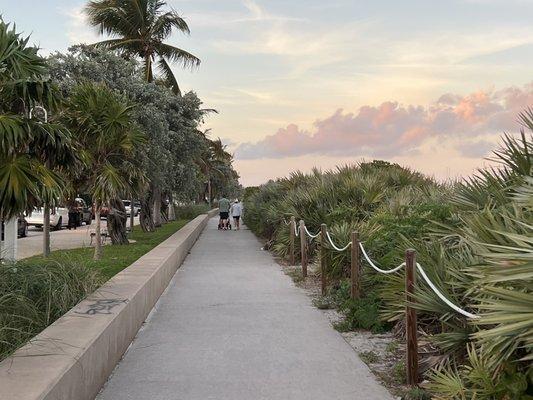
{"type": "Point", "coordinates": [232, 326]}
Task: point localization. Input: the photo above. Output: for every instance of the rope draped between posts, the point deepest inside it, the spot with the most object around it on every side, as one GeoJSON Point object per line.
{"type": "Point", "coordinates": [390, 271]}
{"type": "Point", "coordinates": [333, 244]}
{"type": "Point", "coordinates": [310, 234]}
{"type": "Point", "coordinates": [426, 279]}
{"type": "Point", "coordinates": [442, 297]}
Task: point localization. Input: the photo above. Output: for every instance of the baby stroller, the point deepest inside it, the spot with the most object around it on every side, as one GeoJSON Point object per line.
{"type": "Point", "coordinates": [228, 225]}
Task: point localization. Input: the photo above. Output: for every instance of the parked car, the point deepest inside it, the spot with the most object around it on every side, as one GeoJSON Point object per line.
{"type": "Point", "coordinates": [136, 207]}
{"type": "Point", "coordinates": [22, 227]}
{"type": "Point", "coordinates": [58, 218]}
{"type": "Point", "coordinates": [86, 214]}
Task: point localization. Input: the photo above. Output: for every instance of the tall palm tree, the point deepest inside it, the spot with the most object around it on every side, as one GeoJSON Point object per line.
{"type": "Point", "coordinates": [30, 150]}
{"type": "Point", "coordinates": [139, 28]}
{"type": "Point", "coordinates": [103, 123]}
{"type": "Point", "coordinates": [212, 161]}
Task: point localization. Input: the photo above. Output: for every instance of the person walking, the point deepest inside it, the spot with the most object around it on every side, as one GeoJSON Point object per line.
{"type": "Point", "coordinates": [223, 209]}
{"type": "Point", "coordinates": [73, 213]}
{"type": "Point", "coordinates": [236, 212]}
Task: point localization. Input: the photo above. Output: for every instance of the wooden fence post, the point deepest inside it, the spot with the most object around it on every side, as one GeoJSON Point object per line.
{"type": "Point", "coordinates": [292, 227]}
{"type": "Point", "coordinates": [323, 238]}
{"type": "Point", "coordinates": [410, 318]}
{"type": "Point", "coordinates": [355, 268]}
{"type": "Point", "coordinates": [303, 248]}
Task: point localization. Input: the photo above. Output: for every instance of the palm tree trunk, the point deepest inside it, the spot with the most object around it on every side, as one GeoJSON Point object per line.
{"type": "Point", "coordinates": [132, 214]}
{"type": "Point", "coordinates": [147, 223]}
{"type": "Point", "coordinates": [1, 233]}
{"type": "Point", "coordinates": [148, 74]}
{"type": "Point", "coordinates": [157, 207]}
{"type": "Point", "coordinates": [171, 211]}
{"type": "Point", "coordinates": [116, 222]}
{"type": "Point", "coordinates": [46, 224]}
{"type": "Point", "coordinates": [209, 198]}
{"type": "Point", "coordinates": [98, 232]}
{"type": "Point", "coordinates": [164, 209]}
{"type": "Point", "coordinates": [46, 230]}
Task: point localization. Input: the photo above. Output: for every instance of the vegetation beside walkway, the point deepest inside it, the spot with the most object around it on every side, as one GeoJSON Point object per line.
{"type": "Point", "coordinates": [37, 291]}
{"type": "Point", "coordinates": [34, 295]}
{"type": "Point", "coordinates": [117, 257]}
{"type": "Point", "coordinates": [473, 239]}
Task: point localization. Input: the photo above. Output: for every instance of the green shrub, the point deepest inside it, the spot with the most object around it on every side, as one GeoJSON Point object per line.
{"type": "Point", "coordinates": [34, 296]}
{"type": "Point", "coordinates": [416, 393]}
{"type": "Point", "coordinates": [399, 373]}
{"type": "Point", "coordinates": [363, 313]}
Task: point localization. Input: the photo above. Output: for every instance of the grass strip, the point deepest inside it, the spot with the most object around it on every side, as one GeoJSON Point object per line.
{"type": "Point", "coordinates": [115, 258]}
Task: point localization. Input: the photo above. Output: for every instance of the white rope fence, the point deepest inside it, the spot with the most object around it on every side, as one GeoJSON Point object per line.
{"type": "Point", "coordinates": [442, 297]}
{"type": "Point", "coordinates": [333, 244]}
{"type": "Point", "coordinates": [310, 234]}
{"type": "Point", "coordinates": [390, 271]}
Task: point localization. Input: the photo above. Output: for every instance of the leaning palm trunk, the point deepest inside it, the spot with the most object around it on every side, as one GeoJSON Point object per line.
{"type": "Point", "coordinates": [116, 222]}
{"type": "Point", "coordinates": [146, 221]}
{"type": "Point", "coordinates": [98, 231]}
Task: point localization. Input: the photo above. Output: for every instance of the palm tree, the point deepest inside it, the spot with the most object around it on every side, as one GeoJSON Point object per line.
{"type": "Point", "coordinates": [107, 136]}
{"type": "Point", "coordinates": [30, 150]}
{"type": "Point", "coordinates": [138, 28]}
{"type": "Point", "coordinates": [212, 162]}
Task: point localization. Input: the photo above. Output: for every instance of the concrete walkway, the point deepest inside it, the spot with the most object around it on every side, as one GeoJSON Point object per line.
{"type": "Point", "coordinates": [232, 326]}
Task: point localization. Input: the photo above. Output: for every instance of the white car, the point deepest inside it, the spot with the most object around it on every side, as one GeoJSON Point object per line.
{"type": "Point", "coordinates": [58, 218]}
{"type": "Point", "coordinates": [127, 206]}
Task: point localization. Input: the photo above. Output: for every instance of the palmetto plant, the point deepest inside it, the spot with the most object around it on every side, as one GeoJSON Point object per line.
{"type": "Point", "coordinates": [494, 230]}
{"type": "Point", "coordinates": [138, 28]}
{"type": "Point", "coordinates": [107, 136]}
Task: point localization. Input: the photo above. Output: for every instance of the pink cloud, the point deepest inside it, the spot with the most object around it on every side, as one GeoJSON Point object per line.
{"type": "Point", "coordinates": [391, 127]}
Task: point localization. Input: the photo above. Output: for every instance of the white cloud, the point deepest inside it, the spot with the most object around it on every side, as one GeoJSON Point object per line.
{"type": "Point", "coordinates": [390, 127]}
{"type": "Point", "coordinates": [78, 29]}
{"type": "Point", "coordinates": [251, 12]}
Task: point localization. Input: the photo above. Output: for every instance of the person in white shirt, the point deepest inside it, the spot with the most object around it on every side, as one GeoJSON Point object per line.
{"type": "Point", "coordinates": [236, 212]}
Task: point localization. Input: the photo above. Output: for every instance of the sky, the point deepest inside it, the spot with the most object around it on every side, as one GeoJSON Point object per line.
{"type": "Point", "coordinates": [430, 85]}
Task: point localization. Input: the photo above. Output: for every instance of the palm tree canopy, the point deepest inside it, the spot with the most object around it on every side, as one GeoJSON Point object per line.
{"type": "Point", "coordinates": [107, 137]}
{"type": "Point", "coordinates": [28, 147]}
{"type": "Point", "coordinates": [139, 28]}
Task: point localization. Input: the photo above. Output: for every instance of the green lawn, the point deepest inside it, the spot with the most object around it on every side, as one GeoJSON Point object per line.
{"type": "Point", "coordinates": [116, 258]}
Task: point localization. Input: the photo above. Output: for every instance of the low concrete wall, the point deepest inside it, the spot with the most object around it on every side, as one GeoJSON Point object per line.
{"type": "Point", "coordinates": [73, 357]}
